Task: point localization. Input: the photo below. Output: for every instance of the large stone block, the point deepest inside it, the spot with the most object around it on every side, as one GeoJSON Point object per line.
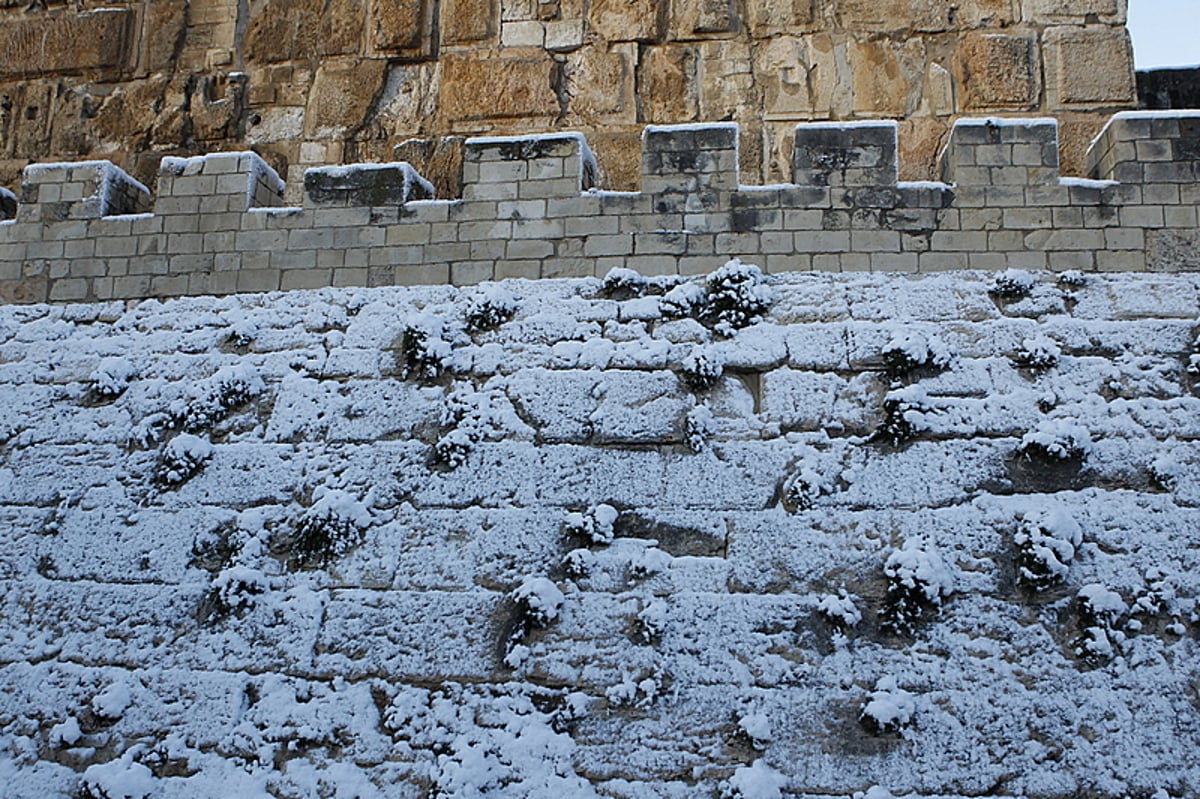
{"type": "Point", "coordinates": [285, 30]}
{"type": "Point", "coordinates": [626, 20]}
{"type": "Point", "coordinates": [668, 84]}
{"type": "Point", "coordinates": [1074, 11]}
{"type": "Point", "coordinates": [477, 87]}
{"type": "Point", "coordinates": [771, 17]}
{"type": "Point", "coordinates": [703, 17]}
{"type": "Point", "coordinates": [48, 44]}
{"type": "Point", "coordinates": [851, 154]}
{"type": "Point", "coordinates": [399, 25]}
{"type": "Point", "coordinates": [887, 76]}
{"type": "Point", "coordinates": [880, 16]}
{"type": "Point", "coordinates": [1092, 65]}
{"type": "Point", "coordinates": [365, 185]}
{"type": "Point", "coordinates": [464, 21]}
{"type": "Point", "coordinates": [600, 84]}
{"type": "Point", "coordinates": [997, 71]}
{"type": "Point", "coordinates": [341, 95]}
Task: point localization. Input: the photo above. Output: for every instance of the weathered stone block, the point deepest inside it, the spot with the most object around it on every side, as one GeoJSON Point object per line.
{"type": "Point", "coordinates": [464, 21]}
{"type": "Point", "coordinates": [768, 17]}
{"type": "Point", "coordinates": [475, 87]}
{"type": "Point", "coordinates": [51, 43]}
{"type": "Point", "coordinates": [399, 25]}
{"type": "Point", "coordinates": [1092, 65]}
{"type": "Point", "coordinates": [704, 17]}
{"type": "Point", "coordinates": [285, 30]}
{"type": "Point", "coordinates": [668, 80]}
{"type": "Point", "coordinates": [850, 154]}
{"type": "Point", "coordinates": [341, 96]}
{"type": "Point", "coordinates": [365, 185]}
{"type": "Point", "coordinates": [626, 20]}
{"type": "Point", "coordinates": [996, 70]}
{"type": "Point", "coordinates": [1071, 11]}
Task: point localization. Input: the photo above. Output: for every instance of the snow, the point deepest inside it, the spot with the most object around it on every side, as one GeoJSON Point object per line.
{"type": "Point", "coordinates": [625, 587]}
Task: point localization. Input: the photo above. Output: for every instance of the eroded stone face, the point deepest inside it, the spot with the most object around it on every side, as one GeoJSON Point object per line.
{"type": "Point", "coordinates": [356, 78]}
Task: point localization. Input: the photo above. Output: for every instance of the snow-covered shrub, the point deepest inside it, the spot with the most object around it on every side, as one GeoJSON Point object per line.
{"type": "Point", "coordinates": [489, 307]}
{"type": "Point", "coordinates": [621, 283]}
{"type": "Point", "coordinates": [1166, 470]}
{"type": "Point", "coordinates": [578, 563]}
{"type": "Point", "coordinates": [1073, 278]}
{"type": "Point", "coordinates": [755, 728]}
{"type": "Point", "coordinates": [756, 781]}
{"type": "Point", "coordinates": [903, 416]}
{"type": "Point", "coordinates": [111, 378]}
{"type": "Point", "coordinates": [1099, 611]}
{"type": "Point", "coordinates": [839, 610]}
{"type": "Point", "coordinates": [804, 486]}
{"type": "Point", "coordinates": [733, 297]}
{"type": "Point", "coordinates": [238, 588]}
{"type": "Point", "coordinates": [918, 582]}
{"type": "Point", "coordinates": [1046, 540]}
{"type": "Point", "coordinates": [702, 369]}
{"type": "Point", "coordinates": [1056, 440]}
{"type": "Point", "coordinates": [453, 449]}
{"type": "Point", "coordinates": [649, 562]}
{"type": "Point", "coordinates": [538, 602]}
{"type": "Point", "coordinates": [698, 428]}
{"type": "Point", "coordinates": [423, 350]}
{"type": "Point", "coordinates": [182, 458]}
{"type": "Point", "coordinates": [636, 690]}
{"type": "Point", "coordinates": [472, 741]}
{"type": "Point", "coordinates": [1038, 353]}
{"type": "Point", "coordinates": [473, 416]}
{"type": "Point", "coordinates": [888, 709]}
{"type": "Point", "coordinates": [335, 523]}
{"type": "Point", "coordinates": [1013, 284]}
{"type": "Point", "coordinates": [594, 524]}
{"type": "Point", "coordinates": [911, 350]}
{"type": "Point", "coordinates": [123, 778]}
{"type": "Point", "coordinates": [242, 334]}
{"type": "Point", "coordinates": [229, 388]}
{"type": "Point", "coordinates": [651, 621]}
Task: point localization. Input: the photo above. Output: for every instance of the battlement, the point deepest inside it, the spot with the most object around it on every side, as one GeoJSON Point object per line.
{"type": "Point", "coordinates": [530, 209]}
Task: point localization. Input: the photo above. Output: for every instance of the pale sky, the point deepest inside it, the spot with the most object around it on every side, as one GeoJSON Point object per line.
{"type": "Point", "coordinates": [1166, 33]}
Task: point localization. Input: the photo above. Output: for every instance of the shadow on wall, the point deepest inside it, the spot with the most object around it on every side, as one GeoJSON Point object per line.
{"type": "Point", "coordinates": [1167, 89]}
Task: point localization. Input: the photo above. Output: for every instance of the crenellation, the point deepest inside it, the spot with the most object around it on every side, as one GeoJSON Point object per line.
{"type": "Point", "coordinates": [529, 209]}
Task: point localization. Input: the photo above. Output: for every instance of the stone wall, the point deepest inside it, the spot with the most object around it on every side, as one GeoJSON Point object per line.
{"type": "Point", "coordinates": [724, 540]}
{"type": "Point", "coordinates": [312, 82]}
{"type": "Point", "coordinates": [529, 209]}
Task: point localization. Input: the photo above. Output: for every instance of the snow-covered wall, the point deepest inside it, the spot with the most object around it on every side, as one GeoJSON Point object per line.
{"type": "Point", "coordinates": [529, 209]}
{"type": "Point", "coordinates": [744, 536]}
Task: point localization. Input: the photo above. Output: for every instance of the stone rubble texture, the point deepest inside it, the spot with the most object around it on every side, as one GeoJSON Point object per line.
{"type": "Point", "coordinates": [307, 83]}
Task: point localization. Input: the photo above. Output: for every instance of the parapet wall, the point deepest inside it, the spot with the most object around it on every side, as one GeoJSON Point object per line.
{"type": "Point", "coordinates": [529, 209]}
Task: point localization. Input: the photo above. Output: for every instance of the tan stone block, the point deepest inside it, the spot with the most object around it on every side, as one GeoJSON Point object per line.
{"type": "Point", "coordinates": [726, 80]}
{"type": "Point", "coordinates": [887, 76]}
{"type": "Point", "coordinates": [771, 17]}
{"type": "Point", "coordinates": [464, 21]}
{"type": "Point", "coordinates": [997, 71]}
{"type": "Point", "coordinates": [784, 70]}
{"type": "Point", "coordinates": [885, 16]}
{"type": "Point", "coordinates": [398, 25]}
{"type": "Point", "coordinates": [163, 26]}
{"type": "Point", "coordinates": [283, 30]}
{"type": "Point", "coordinates": [601, 84]}
{"type": "Point", "coordinates": [703, 17]}
{"type": "Point", "coordinates": [1074, 11]}
{"type": "Point", "coordinates": [50, 43]}
{"type": "Point", "coordinates": [342, 94]}
{"type": "Point", "coordinates": [626, 20]}
{"type": "Point", "coordinates": [668, 81]}
{"type": "Point", "coordinates": [1091, 65]}
{"type": "Point", "coordinates": [475, 86]}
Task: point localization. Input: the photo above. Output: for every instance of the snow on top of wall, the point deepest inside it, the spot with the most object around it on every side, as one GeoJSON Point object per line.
{"type": "Point", "coordinates": [568, 538]}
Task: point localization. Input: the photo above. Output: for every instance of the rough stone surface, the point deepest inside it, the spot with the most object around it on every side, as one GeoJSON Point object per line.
{"type": "Point", "coordinates": [308, 82]}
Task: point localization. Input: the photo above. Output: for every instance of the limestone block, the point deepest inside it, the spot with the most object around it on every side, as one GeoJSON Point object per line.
{"type": "Point", "coordinates": [47, 44]}
{"type": "Point", "coordinates": [997, 71]}
{"type": "Point", "coordinates": [341, 95]}
{"type": "Point", "coordinates": [365, 185]}
{"type": "Point", "coordinates": [887, 76]}
{"type": "Point", "coordinates": [1051, 12]}
{"type": "Point", "coordinates": [626, 20]}
{"type": "Point", "coordinates": [554, 165]}
{"type": "Point", "coordinates": [690, 159]}
{"type": "Point", "coordinates": [285, 30]}
{"type": "Point", "coordinates": [399, 25]}
{"type": "Point", "coordinates": [886, 16]}
{"type": "Point", "coordinates": [83, 190]}
{"type": "Point", "coordinates": [600, 84]}
{"type": "Point", "coordinates": [1092, 65]}
{"type": "Point", "coordinates": [164, 27]}
{"type": "Point", "coordinates": [464, 21]}
{"type": "Point", "coordinates": [849, 154]}
{"type": "Point", "coordinates": [703, 17]}
{"type": "Point", "coordinates": [726, 80]}
{"type": "Point", "coordinates": [771, 17]}
{"type": "Point", "coordinates": [668, 79]}
{"type": "Point", "coordinates": [786, 70]}
{"type": "Point", "coordinates": [474, 87]}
